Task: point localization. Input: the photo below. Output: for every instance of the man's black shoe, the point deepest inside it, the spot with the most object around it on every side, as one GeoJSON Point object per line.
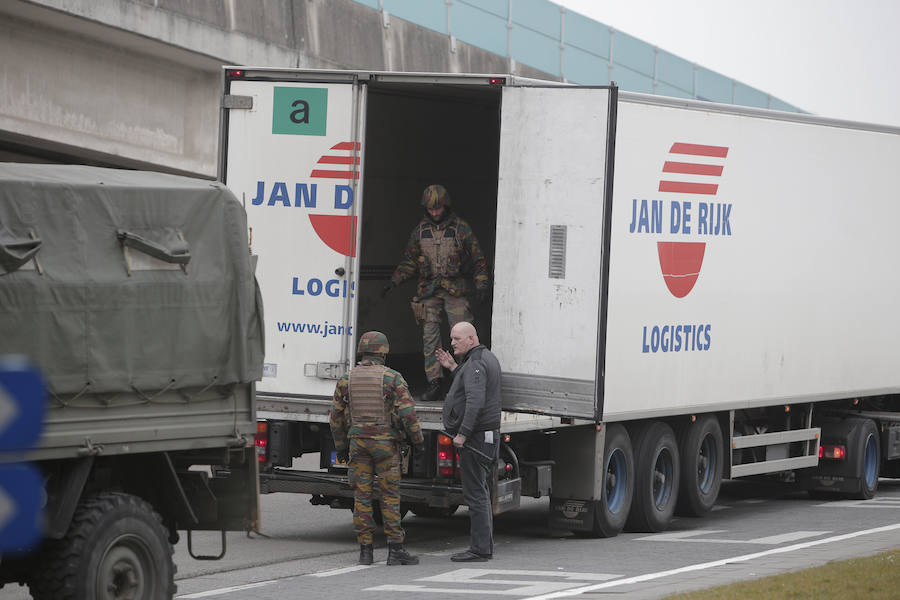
{"type": "Point", "coordinates": [365, 554]}
{"type": "Point", "coordinates": [433, 393]}
{"type": "Point", "coordinates": [397, 555]}
{"type": "Point", "coordinates": [469, 556]}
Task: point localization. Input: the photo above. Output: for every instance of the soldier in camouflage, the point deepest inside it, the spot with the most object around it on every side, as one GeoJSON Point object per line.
{"type": "Point", "coordinates": [371, 413]}
{"type": "Point", "coordinates": [442, 252]}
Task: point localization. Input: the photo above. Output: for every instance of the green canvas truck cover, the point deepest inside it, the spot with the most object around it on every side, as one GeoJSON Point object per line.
{"type": "Point", "coordinates": [126, 281]}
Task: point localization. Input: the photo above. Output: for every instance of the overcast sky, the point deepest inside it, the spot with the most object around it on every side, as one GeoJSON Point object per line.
{"type": "Point", "coordinates": [835, 58]}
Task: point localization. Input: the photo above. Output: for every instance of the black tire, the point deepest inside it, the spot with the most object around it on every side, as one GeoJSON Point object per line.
{"type": "Point", "coordinates": [867, 456]}
{"type": "Point", "coordinates": [433, 512]}
{"type": "Point", "coordinates": [116, 548]}
{"type": "Point", "coordinates": [617, 491]}
{"type": "Point", "coordinates": [702, 455]}
{"type": "Point", "coordinates": [656, 481]}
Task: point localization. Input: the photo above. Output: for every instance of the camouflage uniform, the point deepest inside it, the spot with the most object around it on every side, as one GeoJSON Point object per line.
{"type": "Point", "coordinates": [373, 440]}
{"type": "Point", "coordinates": [441, 255]}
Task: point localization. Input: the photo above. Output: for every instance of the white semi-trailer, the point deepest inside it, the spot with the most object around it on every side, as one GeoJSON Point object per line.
{"type": "Point", "coordinates": [682, 291]}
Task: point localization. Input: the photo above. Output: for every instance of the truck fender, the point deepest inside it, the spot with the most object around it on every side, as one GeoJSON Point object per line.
{"type": "Point", "coordinates": [63, 493]}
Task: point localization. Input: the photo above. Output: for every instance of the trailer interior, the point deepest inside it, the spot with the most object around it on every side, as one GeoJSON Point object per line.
{"type": "Point", "coordinates": [418, 134]}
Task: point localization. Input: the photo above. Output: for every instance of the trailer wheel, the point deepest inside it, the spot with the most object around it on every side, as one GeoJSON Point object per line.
{"type": "Point", "coordinates": [115, 549]}
{"type": "Point", "coordinates": [867, 458]}
{"type": "Point", "coordinates": [656, 481]}
{"type": "Point", "coordinates": [618, 485]}
{"type": "Point", "coordinates": [702, 451]}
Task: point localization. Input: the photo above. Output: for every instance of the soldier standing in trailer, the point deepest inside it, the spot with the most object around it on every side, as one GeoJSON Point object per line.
{"type": "Point", "coordinates": [371, 413]}
{"type": "Point", "coordinates": [442, 252]}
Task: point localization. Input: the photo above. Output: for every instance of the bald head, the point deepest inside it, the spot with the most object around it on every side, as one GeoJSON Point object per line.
{"type": "Point", "coordinates": [463, 338]}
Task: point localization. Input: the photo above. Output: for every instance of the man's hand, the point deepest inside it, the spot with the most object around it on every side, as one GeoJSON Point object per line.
{"type": "Point", "coordinates": [481, 295]}
{"type": "Point", "coordinates": [343, 456]}
{"type": "Point", "coordinates": [459, 441]}
{"type": "Point", "coordinates": [445, 358]}
{"type": "Point", "coordinates": [386, 289]}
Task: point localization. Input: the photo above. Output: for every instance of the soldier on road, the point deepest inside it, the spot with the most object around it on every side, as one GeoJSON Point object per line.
{"type": "Point", "coordinates": [371, 414]}
{"type": "Point", "coordinates": [442, 252]}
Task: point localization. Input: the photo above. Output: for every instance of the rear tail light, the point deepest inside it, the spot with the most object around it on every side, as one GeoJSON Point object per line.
{"type": "Point", "coordinates": [262, 440]}
{"type": "Point", "coordinates": [834, 452]}
{"type": "Point", "coordinates": [446, 455]}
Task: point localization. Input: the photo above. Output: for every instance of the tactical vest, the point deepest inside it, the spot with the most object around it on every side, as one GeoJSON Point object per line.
{"type": "Point", "coordinates": [441, 249]}
{"type": "Point", "coordinates": [367, 404]}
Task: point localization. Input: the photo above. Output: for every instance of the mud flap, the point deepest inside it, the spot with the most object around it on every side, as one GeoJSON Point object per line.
{"type": "Point", "coordinates": [570, 514]}
{"type": "Point", "coordinates": [507, 495]}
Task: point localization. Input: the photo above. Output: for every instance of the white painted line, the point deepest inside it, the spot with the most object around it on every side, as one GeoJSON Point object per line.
{"type": "Point", "coordinates": [680, 536]}
{"type": "Point", "coordinates": [480, 579]}
{"type": "Point", "coordinates": [709, 565]}
{"type": "Point", "coordinates": [228, 590]}
{"type": "Point", "coordinates": [340, 571]}
{"type": "Point", "coordinates": [793, 536]}
{"type": "Point", "coordinates": [694, 536]}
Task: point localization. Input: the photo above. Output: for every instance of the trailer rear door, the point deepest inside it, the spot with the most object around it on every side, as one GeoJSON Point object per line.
{"type": "Point", "coordinates": [292, 152]}
{"type": "Point", "coordinates": [546, 327]}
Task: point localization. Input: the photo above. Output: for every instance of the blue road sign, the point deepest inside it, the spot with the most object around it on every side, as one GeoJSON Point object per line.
{"type": "Point", "coordinates": [22, 404]}
{"type": "Point", "coordinates": [21, 505]}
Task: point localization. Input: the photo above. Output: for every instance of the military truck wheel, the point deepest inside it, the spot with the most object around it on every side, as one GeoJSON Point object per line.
{"type": "Point", "coordinates": [702, 452]}
{"type": "Point", "coordinates": [656, 481]}
{"type": "Point", "coordinates": [116, 549]}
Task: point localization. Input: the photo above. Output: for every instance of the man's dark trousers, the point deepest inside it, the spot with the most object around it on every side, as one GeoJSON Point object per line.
{"type": "Point", "coordinates": [477, 476]}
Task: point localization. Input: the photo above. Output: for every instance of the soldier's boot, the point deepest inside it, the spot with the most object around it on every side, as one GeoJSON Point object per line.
{"type": "Point", "coordinates": [398, 556]}
{"type": "Point", "coordinates": [365, 554]}
{"type": "Point", "coordinates": [433, 393]}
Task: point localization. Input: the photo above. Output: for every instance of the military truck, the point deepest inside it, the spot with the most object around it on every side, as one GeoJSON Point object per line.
{"type": "Point", "coordinates": [682, 292]}
{"type": "Point", "coordinates": [134, 295]}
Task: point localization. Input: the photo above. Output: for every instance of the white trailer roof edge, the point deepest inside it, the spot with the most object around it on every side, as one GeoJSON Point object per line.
{"type": "Point", "coordinates": [737, 109]}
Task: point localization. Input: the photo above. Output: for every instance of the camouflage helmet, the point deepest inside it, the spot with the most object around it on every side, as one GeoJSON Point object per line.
{"type": "Point", "coordinates": [373, 342]}
{"type": "Point", "coordinates": [435, 196]}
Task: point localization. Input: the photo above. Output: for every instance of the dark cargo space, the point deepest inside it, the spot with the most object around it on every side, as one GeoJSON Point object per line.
{"type": "Point", "coordinates": [418, 135]}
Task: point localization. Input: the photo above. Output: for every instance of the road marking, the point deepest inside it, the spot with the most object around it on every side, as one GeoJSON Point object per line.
{"type": "Point", "coordinates": [497, 577]}
{"type": "Point", "coordinates": [689, 536]}
{"type": "Point", "coordinates": [341, 571]}
{"type": "Point", "coordinates": [873, 503]}
{"type": "Point", "coordinates": [228, 590]}
{"type": "Point", "coordinates": [709, 565]}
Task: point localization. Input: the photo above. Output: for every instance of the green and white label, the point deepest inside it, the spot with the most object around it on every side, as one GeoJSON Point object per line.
{"type": "Point", "coordinates": [299, 111]}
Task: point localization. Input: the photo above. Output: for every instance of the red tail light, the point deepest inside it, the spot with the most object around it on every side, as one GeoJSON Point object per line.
{"type": "Point", "coordinates": [832, 452]}
{"type": "Point", "coordinates": [446, 454]}
{"type": "Point", "coordinates": [261, 440]}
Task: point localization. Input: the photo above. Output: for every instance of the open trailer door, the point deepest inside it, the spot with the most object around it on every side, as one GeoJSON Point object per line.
{"type": "Point", "coordinates": [551, 249]}
{"type": "Point", "coordinates": [292, 151]}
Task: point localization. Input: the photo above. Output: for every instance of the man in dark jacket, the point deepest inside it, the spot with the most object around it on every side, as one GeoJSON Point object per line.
{"type": "Point", "coordinates": [472, 415]}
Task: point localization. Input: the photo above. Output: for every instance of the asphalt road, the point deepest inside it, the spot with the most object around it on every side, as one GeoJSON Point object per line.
{"type": "Point", "coordinates": [755, 530]}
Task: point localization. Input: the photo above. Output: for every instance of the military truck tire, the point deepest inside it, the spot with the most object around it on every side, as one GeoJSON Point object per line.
{"type": "Point", "coordinates": [115, 549]}
{"type": "Point", "coordinates": [702, 455]}
{"type": "Point", "coordinates": [656, 480]}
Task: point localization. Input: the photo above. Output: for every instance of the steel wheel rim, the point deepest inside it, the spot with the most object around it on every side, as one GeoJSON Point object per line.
{"type": "Point", "coordinates": [663, 469]}
{"type": "Point", "coordinates": [616, 481]}
{"type": "Point", "coordinates": [870, 464]}
{"type": "Point", "coordinates": [706, 464]}
{"type": "Point", "coordinates": [125, 570]}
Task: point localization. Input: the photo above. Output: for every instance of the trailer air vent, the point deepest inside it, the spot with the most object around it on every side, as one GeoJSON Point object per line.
{"type": "Point", "coordinates": [557, 252]}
